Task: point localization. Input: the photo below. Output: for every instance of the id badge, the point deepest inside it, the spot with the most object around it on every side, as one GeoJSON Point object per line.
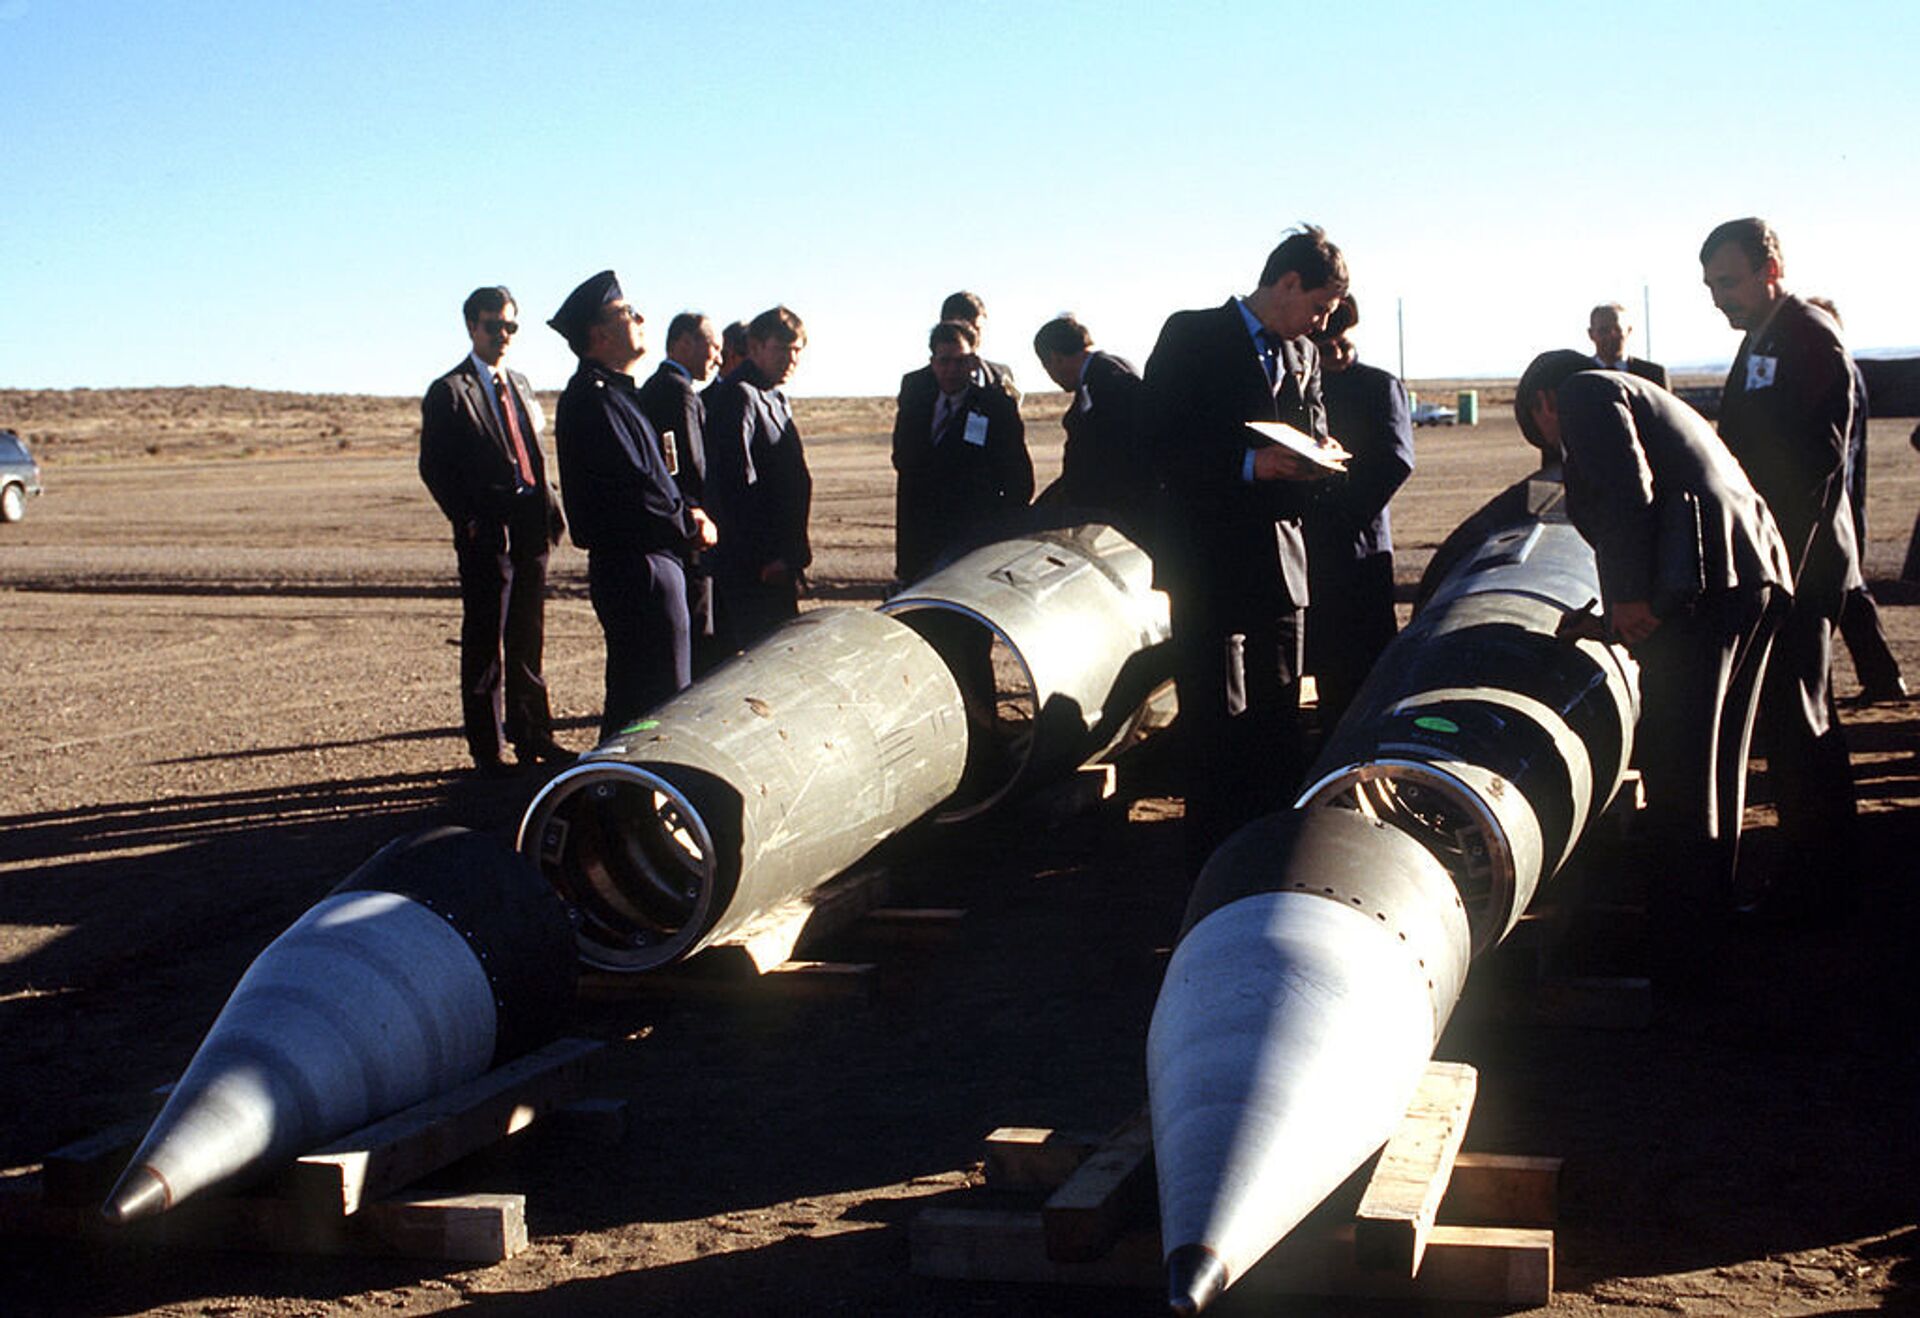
{"type": "Point", "coordinates": [670, 448]}
{"type": "Point", "coordinates": [1760, 371]}
{"type": "Point", "coordinates": [976, 433]}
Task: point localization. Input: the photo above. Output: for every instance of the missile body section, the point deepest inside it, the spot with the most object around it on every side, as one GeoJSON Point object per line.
{"type": "Point", "coordinates": [730, 802]}
{"type": "Point", "coordinates": [1325, 947]}
{"type": "Point", "coordinates": [441, 957]}
{"type": "Point", "coordinates": [1060, 644]}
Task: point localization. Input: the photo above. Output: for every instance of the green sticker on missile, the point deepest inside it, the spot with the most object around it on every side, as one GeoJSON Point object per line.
{"type": "Point", "coordinates": [643, 725]}
{"type": "Point", "coordinates": [1434, 723]}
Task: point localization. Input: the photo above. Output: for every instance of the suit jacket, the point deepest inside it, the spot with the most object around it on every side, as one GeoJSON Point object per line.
{"type": "Point", "coordinates": [954, 493]}
{"type": "Point", "coordinates": [673, 405]}
{"type": "Point", "coordinates": [919, 386]}
{"type": "Point", "coordinates": [1367, 412]}
{"type": "Point", "coordinates": [1105, 465]}
{"type": "Point", "coordinates": [758, 489]}
{"type": "Point", "coordinates": [1786, 413]}
{"type": "Point", "coordinates": [613, 474]}
{"type": "Point", "coordinates": [1635, 455]}
{"type": "Point", "coordinates": [1232, 543]}
{"type": "Point", "coordinates": [466, 458]}
{"type": "Point", "coordinates": [1640, 366]}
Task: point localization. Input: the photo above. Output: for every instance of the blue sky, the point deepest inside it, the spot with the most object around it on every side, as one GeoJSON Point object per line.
{"type": "Point", "coordinates": [298, 196]}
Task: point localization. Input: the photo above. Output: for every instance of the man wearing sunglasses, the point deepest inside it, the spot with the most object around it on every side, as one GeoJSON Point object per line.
{"type": "Point", "coordinates": [480, 457]}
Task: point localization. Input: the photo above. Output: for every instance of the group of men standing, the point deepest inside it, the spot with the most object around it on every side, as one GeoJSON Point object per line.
{"type": "Point", "coordinates": [1724, 561]}
{"type": "Point", "coordinates": [1714, 550]}
{"type": "Point", "coordinates": [691, 504]}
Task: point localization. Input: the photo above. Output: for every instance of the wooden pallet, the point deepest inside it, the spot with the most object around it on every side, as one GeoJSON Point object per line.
{"type": "Point", "coordinates": [1096, 1225]}
{"type": "Point", "coordinates": [347, 1198]}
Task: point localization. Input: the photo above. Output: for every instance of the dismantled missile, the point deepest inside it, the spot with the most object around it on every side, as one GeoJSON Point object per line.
{"type": "Point", "coordinates": [711, 819]}
{"type": "Point", "coordinates": [1322, 955]}
{"type": "Point", "coordinates": [441, 957]}
{"type": "Point", "coordinates": [1060, 645]}
{"type": "Point", "coordinates": [1325, 946]}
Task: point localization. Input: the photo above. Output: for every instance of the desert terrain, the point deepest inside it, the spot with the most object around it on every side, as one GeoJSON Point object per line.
{"type": "Point", "coordinates": [228, 669]}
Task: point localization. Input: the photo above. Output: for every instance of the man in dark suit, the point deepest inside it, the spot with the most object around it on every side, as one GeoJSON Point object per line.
{"type": "Point", "coordinates": [1349, 532]}
{"type": "Point", "coordinates": [1609, 326]}
{"type": "Point", "coordinates": [1695, 580]}
{"type": "Point", "coordinates": [1104, 468]}
{"type": "Point", "coordinates": [480, 457]}
{"type": "Point", "coordinates": [1231, 554]}
{"type": "Point", "coordinates": [917, 386]}
{"type": "Point", "coordinates": [627, 512]}
{"type": "Point", "coordinates": [961, 455]}
{"type": "Point", "coordinates": [1873, 660]}
{"type": "Point", "coordinates": [671, 400]}
{"type": "Point", "coordinates": [758, 487]}
{"type": "Point", "coordinates": [1785, 413]}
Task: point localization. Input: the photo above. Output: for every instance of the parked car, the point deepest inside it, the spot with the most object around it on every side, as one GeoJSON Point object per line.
{"type": "Point", "coordinates": [1433, 414]}
{"type": "Point", "coordinates": [19, 476]}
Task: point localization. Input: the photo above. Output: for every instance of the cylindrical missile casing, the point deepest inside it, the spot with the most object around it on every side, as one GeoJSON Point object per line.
{"type": "Point", "coordinates": [749, 789]}
{"type": "Point", "coordinates": [441, 956]}
{"type": "Point", "coordinates": [1322, 955]}
{"type": "Point", "coordinates": [1503, 739]}
{"type": "Point", "coordinates": [1077, 611]}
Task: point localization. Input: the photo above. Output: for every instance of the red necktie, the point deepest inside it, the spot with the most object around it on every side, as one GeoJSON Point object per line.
{"type": "Point", "coordinates": [510, 417]}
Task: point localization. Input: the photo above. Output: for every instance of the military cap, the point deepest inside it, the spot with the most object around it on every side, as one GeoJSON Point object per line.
{"type": "Point", "coordinates": [582, 307]}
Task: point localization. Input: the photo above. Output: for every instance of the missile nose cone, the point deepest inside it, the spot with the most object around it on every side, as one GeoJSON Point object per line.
{"type": "Point", "coordinates": [1195, 1277]}
{"type": "Point", "coordinates": [141, 1192]}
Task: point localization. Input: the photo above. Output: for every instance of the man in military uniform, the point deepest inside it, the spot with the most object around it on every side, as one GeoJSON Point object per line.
{"type": "Point", "coordinates": [624, 507]}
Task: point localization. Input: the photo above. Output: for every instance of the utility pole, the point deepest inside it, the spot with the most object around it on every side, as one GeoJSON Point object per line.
{"type": "Point", "coordinates": [1646, 320]}
{"type": "Point", "coordinates": [1400, 315]}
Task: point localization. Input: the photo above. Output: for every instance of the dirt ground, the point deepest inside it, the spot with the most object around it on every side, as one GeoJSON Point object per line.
{"type": "Point", "coordinates": [227, 669]}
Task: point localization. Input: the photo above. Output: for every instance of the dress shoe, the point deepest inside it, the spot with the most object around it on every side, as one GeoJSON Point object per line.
{"type": "Point", "coordinates": [544, 751]}
{"type": "Point", "coordinates": [1883, 693]}
{"type": "Point", "coordinates": [495, 767]}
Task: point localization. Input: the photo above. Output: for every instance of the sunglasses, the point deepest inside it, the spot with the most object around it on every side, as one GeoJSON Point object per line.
{"type": "Point", "coordinates": [500, 326]}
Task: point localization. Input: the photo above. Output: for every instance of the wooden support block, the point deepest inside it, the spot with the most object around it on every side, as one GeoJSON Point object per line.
{"type": "Point", "coordinates": [1503, 1189]}
{"type": "Point", "coordinates": [961, 1244]}
{"type": "Point", "coordinates": [1508, 1266]}
{"type": "Point", "coordinates": [1099, 1200]}
{"type": "Point", "coordinates": [468, 1228]}
{"type": "Point", "coordinates": [1486, 1265]}
{"type": "Point", "coordinates": [603, 1120]}
{"type": "Point", "coordinates": [83, 1173]}
{"type": "Point", "coordinates": [903, 924]}
{"type": "Point", "coordinates": [1034, 1158]}
{"type": "Point", "coordinates": [1402, 1198]}
{"type": "Point", "coordinates": [825, 979]}
{"type": "Point", "coordinates": [378, 1159]}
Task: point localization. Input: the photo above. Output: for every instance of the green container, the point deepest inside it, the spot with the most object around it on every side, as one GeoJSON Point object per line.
{"type": "Point", "coordinates": [1468, 407]}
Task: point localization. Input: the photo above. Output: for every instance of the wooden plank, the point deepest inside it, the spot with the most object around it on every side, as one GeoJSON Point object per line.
{"type": "Point", "coordinates": [1483, 1265]}
{"type": "Point", "coordinates": [1495, 1189]}
{"type": "Point", "coordinates": [1402, 1198]}
{"type": "Point", "coordinates": [1511, 1266]}
{"type": "Point", "coordinates": [961, 1244]}
{"type": "Point", "coordinates": [84, 1172]}
{"type": "Point", "coordinates": [468, 1228]}
{"type": "Point", "coordinates": [379, 1159]}
{"type": "Point", "coordinates": [910, 925]}
{"type": "Point", "coordinates": [1088, 1212]}
{"type": "Point", "coordinates": [1034, 1158]}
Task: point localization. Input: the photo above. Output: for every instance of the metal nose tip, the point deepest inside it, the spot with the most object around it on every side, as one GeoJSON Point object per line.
{"type": "Point", "coordinates": [1195, 1278]}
